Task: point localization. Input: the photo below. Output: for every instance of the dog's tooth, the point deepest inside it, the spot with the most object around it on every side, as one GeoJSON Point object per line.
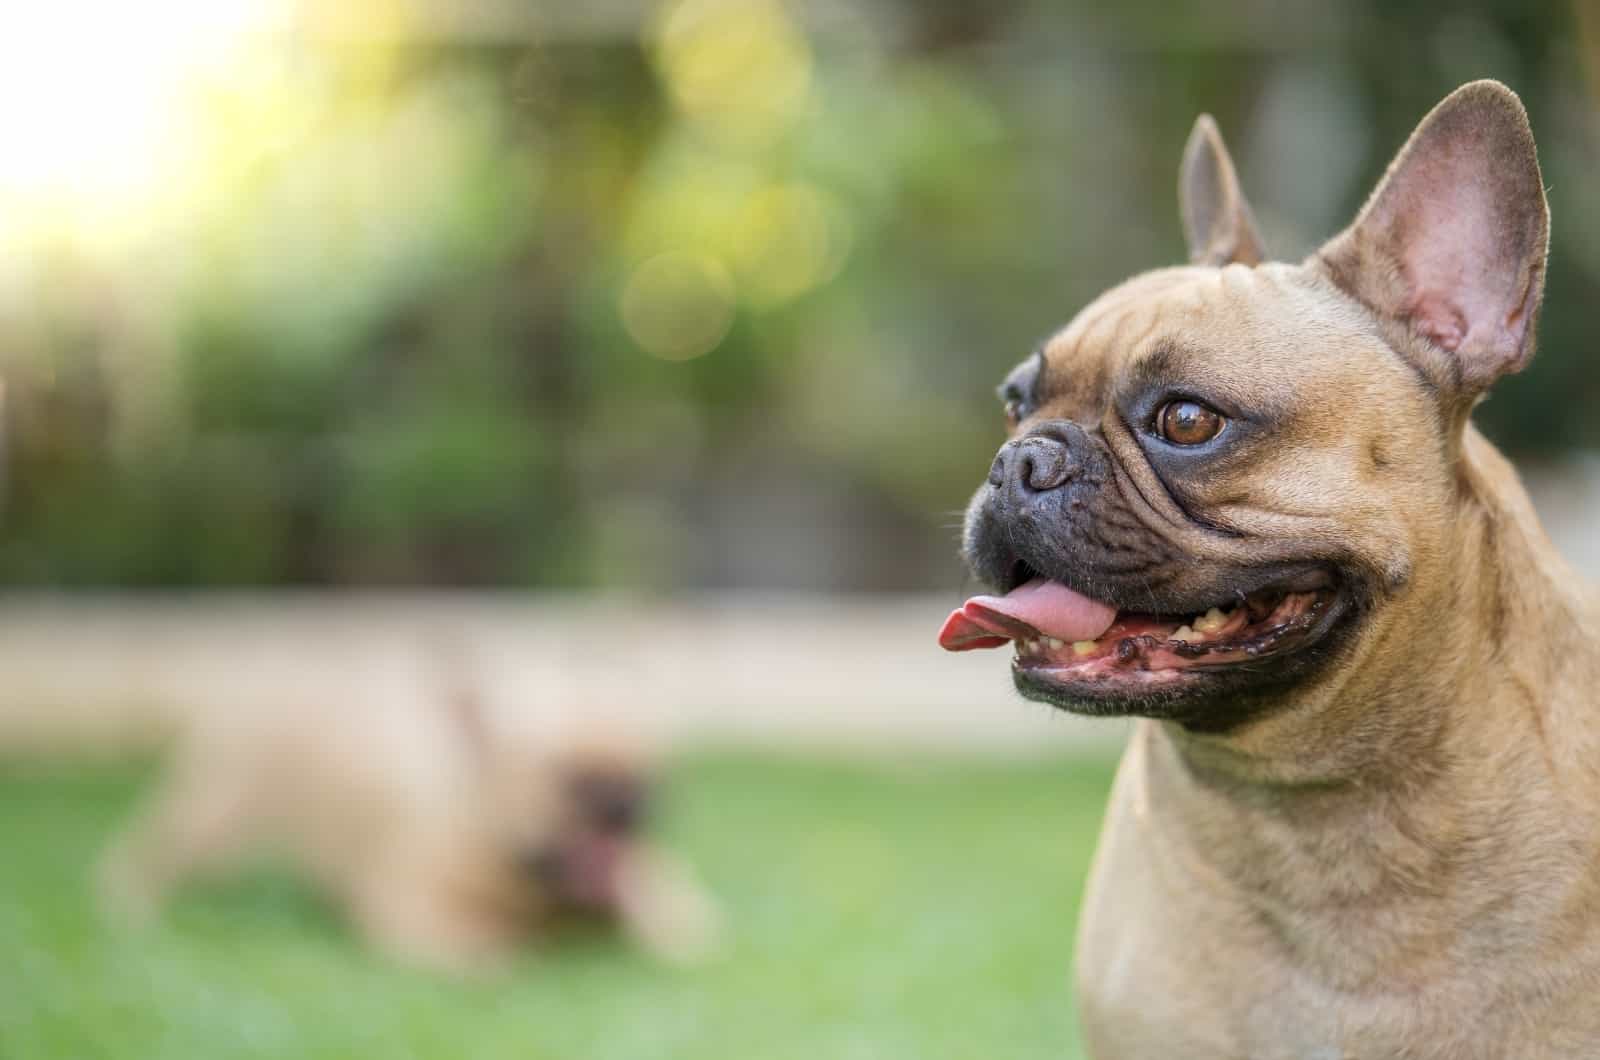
{"type": "Point", "coordinates": [1187, 635]}
{"type": "Point", "coordinates": [1083, 647]}
{"type": "Point", "coordinates": [1212, 620]}
{"type": "Point", "coordinates": [1055, 645]}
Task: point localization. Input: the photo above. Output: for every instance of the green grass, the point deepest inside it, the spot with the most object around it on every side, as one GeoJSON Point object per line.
{"type": "Point", "coordinates": [876, 912]}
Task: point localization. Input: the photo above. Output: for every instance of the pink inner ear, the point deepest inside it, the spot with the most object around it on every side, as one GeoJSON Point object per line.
{"type": "Point", "coordinates": [1436, 319]}
{"type": "Point", "coordinates": [1461, 257]}
{"type": "Point", "coordinates": [1453, 241]}
{"type": "Point", "coordinates": [1453, 257]}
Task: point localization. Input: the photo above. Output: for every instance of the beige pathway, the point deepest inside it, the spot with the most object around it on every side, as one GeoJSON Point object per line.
{"type": "Point", "coordinates": [850, 673]}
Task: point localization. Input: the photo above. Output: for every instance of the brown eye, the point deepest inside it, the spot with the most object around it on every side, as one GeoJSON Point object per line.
{"type": "Point", "coordinates": [1013, 413]}
{"type": "Point", "coordinates": [1188, 423]}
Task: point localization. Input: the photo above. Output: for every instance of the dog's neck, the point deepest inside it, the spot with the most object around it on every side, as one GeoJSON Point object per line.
{"type": "Point", "coordinates": [1489, 812]}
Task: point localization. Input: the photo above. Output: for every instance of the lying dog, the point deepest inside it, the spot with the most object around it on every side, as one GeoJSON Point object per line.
{"type": "Point", "coordinates": [448, 841]}
{"type": "Point", "coordinates": [1360, 813]}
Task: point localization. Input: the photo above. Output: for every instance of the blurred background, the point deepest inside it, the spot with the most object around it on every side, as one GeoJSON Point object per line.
{"type": "Point", "coordinates": [650, 347]}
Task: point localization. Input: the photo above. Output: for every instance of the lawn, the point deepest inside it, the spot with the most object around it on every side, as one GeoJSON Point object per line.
{"type": "Point", "coordinates": [877, 911]}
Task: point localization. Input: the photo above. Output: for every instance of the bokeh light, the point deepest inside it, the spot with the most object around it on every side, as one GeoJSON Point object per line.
{"type": "Point", "coordinates": [678, 305]}
{"type": "Point", "coordinates": [788, 239]}
{"type": "Point", "coordinates": [741, 68]}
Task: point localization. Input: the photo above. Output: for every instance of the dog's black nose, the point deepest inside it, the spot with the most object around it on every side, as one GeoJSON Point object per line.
{"type": "Point", "coordinates": [1032, 464]}
{"type": "Point", "coordinates": [610, 803]}
{"type": "Point", "coordinates": [619, 813]}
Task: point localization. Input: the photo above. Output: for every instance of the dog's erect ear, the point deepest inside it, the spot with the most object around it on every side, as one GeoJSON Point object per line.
{"type": "Point", "coordinates": [1453, 241]}
{"type": "Point", "coordinates": [1216, 219]}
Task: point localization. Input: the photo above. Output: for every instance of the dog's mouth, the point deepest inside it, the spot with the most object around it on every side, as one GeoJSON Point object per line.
{"type": "Point", "coordinates": [579, 872]}
{"type": "Point", "coordinates": [1064, 638]}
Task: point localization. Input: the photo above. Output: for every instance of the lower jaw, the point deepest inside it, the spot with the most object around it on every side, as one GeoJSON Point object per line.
{"type": "Point", "coordinates": [1201, 701]}
{"type": "Point", "coordinates": [1157, 669]}
{"type": "Point", "coordinates": [1084, 690]}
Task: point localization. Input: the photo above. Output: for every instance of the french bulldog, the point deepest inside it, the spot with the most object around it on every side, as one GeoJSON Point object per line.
{"type": "Point", "coordinates": [450, 837]}
{"type": "Point", "coordinates": [1243, 501]}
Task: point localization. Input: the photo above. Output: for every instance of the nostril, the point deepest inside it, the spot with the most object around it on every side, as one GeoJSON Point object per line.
{"type": "Point", "coordinates": [617, 816]}
{"type": "Point", "coordinates": [997, 470]}
{"type": "Point", "coordinates": [1044, 464]}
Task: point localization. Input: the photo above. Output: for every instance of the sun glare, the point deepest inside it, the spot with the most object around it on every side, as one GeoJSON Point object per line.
{"type": "Point", "coordinates": [96, 100]}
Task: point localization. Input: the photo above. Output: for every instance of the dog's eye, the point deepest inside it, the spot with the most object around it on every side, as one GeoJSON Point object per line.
{"type": "Point", "coordinates": [1188, 423]}
{"type": "Point", "coordinates": [1014, 412]}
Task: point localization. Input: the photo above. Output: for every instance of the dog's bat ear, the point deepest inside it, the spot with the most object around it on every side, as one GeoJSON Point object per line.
{"type": "Point", "coordinates": [1216, 218]}
{"type": "Point", "coordinates": [1453, 241]}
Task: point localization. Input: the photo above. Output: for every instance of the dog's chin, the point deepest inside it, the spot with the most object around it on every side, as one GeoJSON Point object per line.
{"type": "Point", "coordinates": [1210, 673]}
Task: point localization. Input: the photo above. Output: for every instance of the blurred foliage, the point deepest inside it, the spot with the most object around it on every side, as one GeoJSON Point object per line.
{"type": "Point", "coordinates": [708, 293]}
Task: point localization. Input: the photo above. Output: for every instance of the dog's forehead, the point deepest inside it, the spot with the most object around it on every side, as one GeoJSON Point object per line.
{"type": "Point", "coordinates": [1220, 314]}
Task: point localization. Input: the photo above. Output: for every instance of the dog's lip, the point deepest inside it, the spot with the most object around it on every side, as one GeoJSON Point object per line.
{"type": "Point", "coordinates": [579, 870]}
{"type": "Point", "coordinates": [1274, 612]}
{"type": "Point", "coordinates": [1050, 608]}
{"type": "Point", "coordinates": [1108, 685]}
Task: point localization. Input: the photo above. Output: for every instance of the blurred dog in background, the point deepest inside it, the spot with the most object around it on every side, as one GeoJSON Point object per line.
{"type": "Point", "coordinates": [450, 836]}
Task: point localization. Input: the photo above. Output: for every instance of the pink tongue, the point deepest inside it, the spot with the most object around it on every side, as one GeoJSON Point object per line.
{"type": "Point", "coordinates": [1039, 608]}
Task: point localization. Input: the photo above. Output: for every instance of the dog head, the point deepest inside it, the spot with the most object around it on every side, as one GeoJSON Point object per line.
{"type": "Point", "coordinates": [600, 797]}
{"type": "Point", "coordinates": [1227, 481]}
{"type": "Point", "coordinates": [553, 808]}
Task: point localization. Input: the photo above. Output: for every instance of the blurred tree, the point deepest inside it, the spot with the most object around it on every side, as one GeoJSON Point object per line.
{"type": "Point", "coordinates": [711, 293]}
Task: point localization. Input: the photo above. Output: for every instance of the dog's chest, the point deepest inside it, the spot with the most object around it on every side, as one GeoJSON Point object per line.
{"type": "Point", "coordinates": [1161, 971]}
{"type": "Point", "coordinates": [1171, 962]}
{"type": "Point", "coordinates": [1159, 988]}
